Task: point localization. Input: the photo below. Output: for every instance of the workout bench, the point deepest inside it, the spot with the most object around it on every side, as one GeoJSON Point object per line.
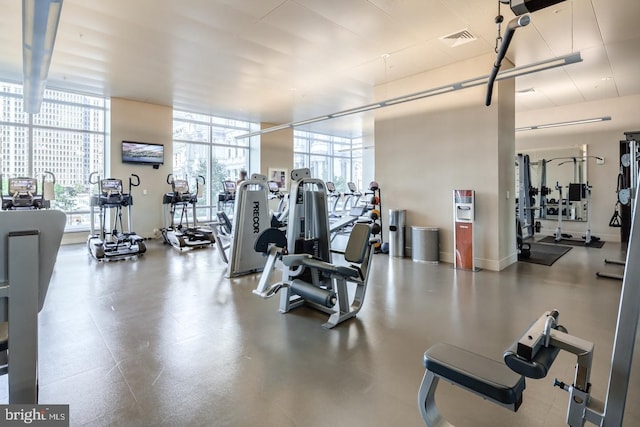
{"type": "Point", "coordinates": [494, 381]}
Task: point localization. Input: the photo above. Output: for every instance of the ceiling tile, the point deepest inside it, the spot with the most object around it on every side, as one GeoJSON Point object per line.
{"type": "Point", "coordinates": [242, 58]}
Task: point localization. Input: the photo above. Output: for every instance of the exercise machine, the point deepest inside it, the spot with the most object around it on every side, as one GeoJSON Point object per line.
{"type": "Point", "coordinates": [351, 198]}
{"type": "Point", "coordinates": [29, 243]}
{"type": "Point", "coordinates": [532, 355]}
{"type": "Point", "coordinates": [222, 229]}
{"type": "Point", "coordinates": [524, 248]}
{"type": "Point", "coordinates": [340, 218]}
{"type": "Point", "coordinates": [184, 235]}
{"type": "Point", "coordinates": [589, 238]}
{"type": "Point", "coordinates": [279, 215]}
{"type": "Point", "coordinates": [544, 190]}
{"type": "Point", "coordinates": [22, 193]}
{"type": "Point", "coordinates": [525, 207]}
{"type": "Point", "coordinates": [118, 242]}
{"type": "Point", "coordinates": [578, 199]}
{"type": "Point", "coordinates": [308, 276]}
{"type": "Point", "coordinates": [227, 197]}
{"type": "Point", "coordinates": [340, 222]}
{"type": "Point", "coordinates": [627, 182]}
{"type": "Point", "coordinates": [559, 235]}
{"type": "Point", "coordinates": [251, 217]}
{"type": "Point", "coordinates": [611, 275]}
{"type": "Point", "coordinates": [333, 199]}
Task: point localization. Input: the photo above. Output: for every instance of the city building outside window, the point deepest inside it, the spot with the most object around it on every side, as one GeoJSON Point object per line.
{"type": "Point", "coordinates": [67, 138]}
{"type": "Point", "coordinates": [206, 146]}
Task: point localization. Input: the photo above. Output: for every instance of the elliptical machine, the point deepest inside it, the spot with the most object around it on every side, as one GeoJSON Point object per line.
{"type": "Point", "coordinates": [117, 243]}
{"type": "Point", "coordinates": [181, 235]}
{"type": "Point", "coordinates": [23, 193]}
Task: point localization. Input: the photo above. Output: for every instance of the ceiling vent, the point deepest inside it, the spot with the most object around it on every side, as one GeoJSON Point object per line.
{"type": "Point", "coordinates": [458, 38]}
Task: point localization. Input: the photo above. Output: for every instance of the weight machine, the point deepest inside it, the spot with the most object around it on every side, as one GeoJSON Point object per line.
{"type": "Point", "coordinates": [309, 277]}
{"type": "Point", "coordinates": [628, 179]}
{"type": "Point", "coordinates": [279, 215]}
{"type": "Point", "coordinates": [626, 191]}
{"type": "Point", "coordinates": [578, 193]}
{"type": "Point", "coordinates": [251, 217]}
{"type": "Point", "coordinates": [526, 194]}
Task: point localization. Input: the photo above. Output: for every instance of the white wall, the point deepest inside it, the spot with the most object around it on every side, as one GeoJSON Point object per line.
{"type": "Point", "coordinates": [368, 158]}
{"type": "Point", "coordinates": [434, 146]}
{"type": "Point", "coordinates": [421, 159]}
{"type": "Point", "coordinates": [276, 150]}
{"type": "Point", "coordinates": [138, 121]}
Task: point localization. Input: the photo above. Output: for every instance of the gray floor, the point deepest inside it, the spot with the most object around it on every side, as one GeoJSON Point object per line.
{"type": "Point", "coordinates": [167, 340]}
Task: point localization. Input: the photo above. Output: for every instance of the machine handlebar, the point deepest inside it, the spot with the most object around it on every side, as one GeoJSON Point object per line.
{"type": "Point", "coordinates": [47, 173]}
{"type": "Point", "coordinates": [97, 178]}
{"type": "Point", "coordinates": [131, 181]}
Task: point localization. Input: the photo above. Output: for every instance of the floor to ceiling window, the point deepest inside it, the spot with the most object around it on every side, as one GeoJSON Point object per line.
{"type": "Point", "coordinates": [205, 146]}
{"type": "Point", "coordinates": [67, 138]}
{"type": "Point", "coordinates": [330, 158]}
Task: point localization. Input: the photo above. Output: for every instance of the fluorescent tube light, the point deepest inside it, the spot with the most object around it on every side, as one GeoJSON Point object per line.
{"type": "Point", "coordinates": [39, 28]}
{"type": "Point", "coordinates": [569, 123]}
{"type": "Point", "coordinates": [536, 67]}
{"type": "Point", "coordinates": [356, 110]}
{"type": "Point", "coordinates": [358, 148]}
{"type": "Point", "coordinates": [464, 84]}
{"type": "Point", "coordinates": [315, 119]}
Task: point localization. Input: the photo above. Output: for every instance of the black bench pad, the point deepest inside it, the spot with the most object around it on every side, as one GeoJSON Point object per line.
{"type": "Point", "coordinates": [480, 374]}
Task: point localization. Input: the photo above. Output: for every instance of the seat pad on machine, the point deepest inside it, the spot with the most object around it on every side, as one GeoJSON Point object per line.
{"type": "Point", "coordinates": [480, 374]}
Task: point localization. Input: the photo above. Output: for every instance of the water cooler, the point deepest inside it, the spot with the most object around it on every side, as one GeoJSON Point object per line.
{"type": "Point", "coordinates": [463, 216]}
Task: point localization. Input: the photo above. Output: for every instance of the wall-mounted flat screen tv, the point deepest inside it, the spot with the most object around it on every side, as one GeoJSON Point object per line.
{"type": "Point", "coordinates": [142, 153]}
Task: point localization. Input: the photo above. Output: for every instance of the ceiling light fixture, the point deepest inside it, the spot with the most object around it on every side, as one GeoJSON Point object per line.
{"type": "Point", "coordinates": [39, 27]}
{"type": "Point", "coordinates": [535, 67]}
{"type": "Point", "coordinates": [358, 148]}
{"type": "Point", "coordinates": [559, 124]}
{"type": "Point", "coordinates": [528, 91]}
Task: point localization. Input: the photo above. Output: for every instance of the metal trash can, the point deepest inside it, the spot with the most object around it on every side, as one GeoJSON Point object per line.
{"type": "Point", "coordinates": [425, 244]}
{"type": "Point", "coordinates": [396, 232]}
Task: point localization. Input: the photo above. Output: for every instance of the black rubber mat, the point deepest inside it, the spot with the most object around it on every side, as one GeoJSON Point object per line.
{"type": "Point", "coordinates": [572, 242]}
{"type": "Point", "coordinates": [546, 254]}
